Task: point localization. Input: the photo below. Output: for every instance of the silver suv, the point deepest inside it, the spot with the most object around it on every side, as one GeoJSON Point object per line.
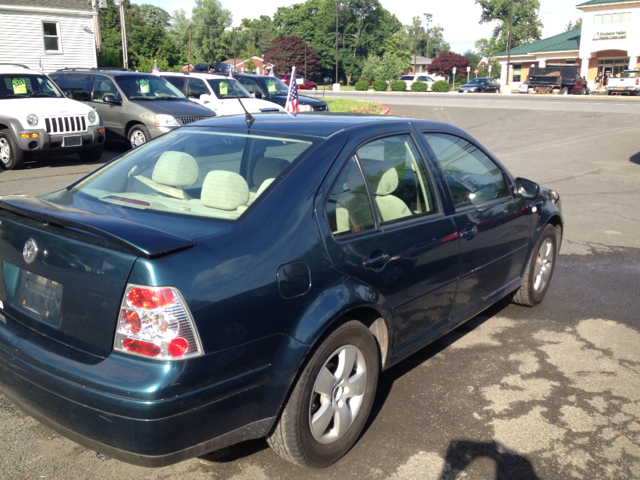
{"type": "Point", "coordinates": [134, 107]}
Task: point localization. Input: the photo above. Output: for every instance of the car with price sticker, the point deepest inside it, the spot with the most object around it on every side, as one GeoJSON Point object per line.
{"type": "Point", "coordinates": [223, 95]}
{"type": "Point", "coordinates": [135, 107]}
{"type": "Point", "coordinates": [36, 118]}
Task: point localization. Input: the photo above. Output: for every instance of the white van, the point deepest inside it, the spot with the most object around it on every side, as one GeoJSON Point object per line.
{"type": "Point", "coordinates": [219, 93]}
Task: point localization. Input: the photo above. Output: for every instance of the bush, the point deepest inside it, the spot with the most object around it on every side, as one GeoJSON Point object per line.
{"type": "Point", "coordinates": [440, 86]}
{"type": "Point", "coordinates": [362, 86]}
{"type": "Point", "coordinates": [398, 85]}
{"type": "Point", "coordinates": [419, 86]}
{"type": "Point", "coordinates": [380, 85]}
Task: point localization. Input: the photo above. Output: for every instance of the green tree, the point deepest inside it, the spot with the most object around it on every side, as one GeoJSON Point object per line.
{"type": "Point", "coordinates": [572, 26]}
{"type": "Point", "coordinates": [388, 67]}
{"type": "Point", "coordinates": [527, 26]}
{"type": "Point", "coordinates": [261, 30]}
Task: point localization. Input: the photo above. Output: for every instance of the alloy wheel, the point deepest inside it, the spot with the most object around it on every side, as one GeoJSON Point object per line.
{"type": "Point", "coordinates": [137, 138]}
{"type": "Point", "coordinates": [544, 266]}
{"type": "Point", "coordinates": [5, 151]}
{"type": "Point", "coordinates": [337, 394]}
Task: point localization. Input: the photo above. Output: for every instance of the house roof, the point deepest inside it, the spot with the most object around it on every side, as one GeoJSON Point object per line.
{"type": "Point", "coordinates": [63, 4]}
{"type": "Point", "coordinates": [602, 2]}
{"type": "Point", "coordinates": [421, 60]}
{"type": "Point", "coordinates": [566, 41]}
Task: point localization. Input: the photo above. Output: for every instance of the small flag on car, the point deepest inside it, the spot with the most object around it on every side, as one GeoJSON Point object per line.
{"type": "Point", "coordinates": [230, 72]}
{"type": "Point", "coordinates": [271, 73]}
{"type": "Point", "coordinates": [292, 107]}
{"type": "Point", "coordinates": [155, 70]}
{"type": "Point", "coordinates": [40, 67]}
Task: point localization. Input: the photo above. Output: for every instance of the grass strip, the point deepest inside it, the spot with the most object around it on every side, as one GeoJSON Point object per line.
{"type": "Point", "coordinates": [352, 106]}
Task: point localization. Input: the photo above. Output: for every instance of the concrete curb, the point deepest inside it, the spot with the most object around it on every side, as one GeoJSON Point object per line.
{"type": "Point", "coordinates": [385, 109]}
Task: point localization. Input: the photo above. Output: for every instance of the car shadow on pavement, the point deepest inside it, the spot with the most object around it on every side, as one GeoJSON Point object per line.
{"type": "Point", "coordinates": [635, 159]}
{"type": "Point", "coordinates": [509, 464]}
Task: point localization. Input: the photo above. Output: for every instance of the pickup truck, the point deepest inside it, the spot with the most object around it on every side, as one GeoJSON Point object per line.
{"type": "Point", "coordinates": [563, 79]}
{"type": "Point", "coordinates": [628, 82]}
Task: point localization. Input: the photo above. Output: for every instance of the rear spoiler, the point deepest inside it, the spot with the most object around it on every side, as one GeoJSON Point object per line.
{"type": "Point", "coordinates": [144, 241]}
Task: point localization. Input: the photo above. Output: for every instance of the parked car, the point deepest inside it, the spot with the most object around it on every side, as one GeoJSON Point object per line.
{"type": "Point", "coordinates": [220, 68]}
{"type": "Point", "coordinates": [524, 87]}
{"type": "Point", "coordinates": [409, 79]}
{"type": "Point", "coordinates": [303, 83]}
{"type": "Point", "coordinates": [628, 82]}
{"type": "Point", "coordinates": [36, 118]}
{"type": "Point", "coordinates": [480, 85]}
{"type": "Point", "coordinates": [135, 107]}
{"type": "Point", "coordinates": [274, 90]}
{"type": "Point", "coordinates": [222, 283]}
{"type": "Point", "coordinates": [218, 93]}
{"type": "Point", "coordinates": [563, 79]}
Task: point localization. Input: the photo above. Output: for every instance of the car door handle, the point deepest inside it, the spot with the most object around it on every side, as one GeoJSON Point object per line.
{"type": "Point", "coordinates": [469, 232]}
{"type": "Point", "coordinates": [376, 262]}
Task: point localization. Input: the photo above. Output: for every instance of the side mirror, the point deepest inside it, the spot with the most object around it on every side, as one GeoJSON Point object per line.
{"type": "Point", "coordinates": [110, 99]}
{"type": "Point", "coordinates": [523, 188]}
{"type": "Point", "coordinates": [258, 95]}
{"type": "Point", "coordinates": [205, 98]}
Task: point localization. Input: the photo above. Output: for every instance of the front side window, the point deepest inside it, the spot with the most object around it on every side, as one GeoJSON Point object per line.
{"type": "Point", "coordinates": [348, 208]}
{"type": "Point", "coordinates": [197, 172]}
{"type": "Point", "coordinates": [147, 87]}
{"type": "Point", "coordinates": [250, 85]}
{"type": "Point", "coordinates": [51, 34]}
{"type": "Point", "coordinates": [196, 87]}
{"type": "Point", "coordinates": [23, 86]}
{"type": "Point", "coordinates": [228, 88]}
{"type": "Point", "coordinates": [473, 178]}
{"type": "Point", "coordinates": [104, 86]}
{"type": "Point", "coordinates": [397, 179]}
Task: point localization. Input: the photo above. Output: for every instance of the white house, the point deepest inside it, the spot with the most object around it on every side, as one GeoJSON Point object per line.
{"type": "Point", "coordinates": [608, 42]}
{"type": "Point", "coordinates": [58, 31]}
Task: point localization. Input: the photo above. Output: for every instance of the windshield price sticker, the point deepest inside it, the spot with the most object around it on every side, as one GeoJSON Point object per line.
{"type": "Point", "coordinates": [224, 88]}
{"type": "Point", "coordinates": [271, 86]}
{"type": "Point", "coordinates": [19, 86]}
{"type": "Point", "coordinates": [144, 86]}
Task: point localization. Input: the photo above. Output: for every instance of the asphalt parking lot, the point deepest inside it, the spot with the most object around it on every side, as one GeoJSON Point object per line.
{"type": "Point", "coordinates": [551, 392]}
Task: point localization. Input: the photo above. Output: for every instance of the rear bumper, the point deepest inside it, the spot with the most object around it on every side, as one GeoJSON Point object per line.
{"type": "Point", "coordinates": [150, 433]}
{"type": "Point", "coordinates": [631, 89]}
{"type": "Point", "coordinates": [46, 142]}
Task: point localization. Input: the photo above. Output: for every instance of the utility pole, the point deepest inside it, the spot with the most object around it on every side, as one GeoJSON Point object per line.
{"type": "Point", "coordinates": [96, 25]}
{"type": "Point", "coordinates": [415, 49]}
{"type": "Point", "coordinates": [123, 27]}
{"type": "Point", "coordinates": [339, 8]}
{"type": "Point", "coordinates": [509, 44]}
{"type": "Point", "coordinates": [189, 64]}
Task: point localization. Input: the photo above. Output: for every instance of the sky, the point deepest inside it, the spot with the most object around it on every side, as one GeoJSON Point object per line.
{"type": "Point", "coordinates": [459, 18]}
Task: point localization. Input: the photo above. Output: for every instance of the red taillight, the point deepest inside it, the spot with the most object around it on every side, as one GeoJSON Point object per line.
{"type": "Point", "coordinates": [177, 347]}
{"type": "Point", "coordinates": [155, 322]}
{"type": "Point", "coordinates": [637, 81]}
{"type": "Point", "coordinates": [133, 320]}
{"type": "Point", "coordinates": [150, 297]}
{"type": "Point", "coordinates": [144, 348]}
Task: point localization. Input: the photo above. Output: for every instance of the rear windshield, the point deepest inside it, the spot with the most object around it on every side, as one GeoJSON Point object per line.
{"type": "Point", "coordinates": [26, 86]}
{"type": "Point", "coordinates": [198, 171]}
{"type": "Point", "coordinates": [147, 87]}
{"type": "Point", "coordinates": [631, 74]}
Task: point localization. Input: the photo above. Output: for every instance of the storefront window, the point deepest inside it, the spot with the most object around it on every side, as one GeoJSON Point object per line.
{"type": "Point", "coordinates": [517, 72]}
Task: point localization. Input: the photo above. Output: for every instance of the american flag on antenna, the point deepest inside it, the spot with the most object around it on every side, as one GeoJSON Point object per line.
{"type": "Point", "coordinates": [271, 72]}
{"type": "Point", "coordinates": [230, 72]}
{"type": "Point", "coordinates": [155, 70]}
{"type": "Point", "coordinates": [292, 107]}
{"type": "Point", "coordinates": [40, 67]}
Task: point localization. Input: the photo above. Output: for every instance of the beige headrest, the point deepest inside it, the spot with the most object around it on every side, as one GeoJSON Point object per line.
{"type": "Point", "coordinates": [224, 190]}
{"type": "Point", "coordinates": [387, 184]}
{"type": "Point", "coordinates": [177, 169]}
{"type": "Point", "coordinates": [268, 167]}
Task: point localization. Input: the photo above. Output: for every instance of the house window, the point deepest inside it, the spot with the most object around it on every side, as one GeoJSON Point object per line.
{"type": "Point", "coordinates": [51, 34]}
{"type": "Point", "coordinates": [612, 18]}
{"type": "Point", "coordinates": [517, 73]}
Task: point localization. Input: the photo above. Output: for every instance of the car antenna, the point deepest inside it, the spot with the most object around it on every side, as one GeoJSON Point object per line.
{"type": "Point", "coordinates": [248, 117]}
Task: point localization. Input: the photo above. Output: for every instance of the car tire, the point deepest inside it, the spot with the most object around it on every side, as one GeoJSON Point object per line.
{"type": "Point", "coordinates": [539, 271]}
{"type": "Point", "coordinates": [314, 88]}
{"type": "Point", "coordinates": [317, 402]}
{"type": "Point", "coordinates": [564, 91]}
{"type": "Point", "coordinates": [92, 155]}
{"type": "Point", "coordinates": [609, 92]}
{"type": "Point", "coordinates": [137, 135]}
{"type": "Point", "coordinates": [11, 156]}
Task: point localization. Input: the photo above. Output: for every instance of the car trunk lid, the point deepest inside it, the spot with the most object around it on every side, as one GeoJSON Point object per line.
{"type": "Point", "coordinates": [63, 271]}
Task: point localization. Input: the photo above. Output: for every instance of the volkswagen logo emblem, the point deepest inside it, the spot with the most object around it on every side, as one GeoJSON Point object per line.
{"type": "Point", "coordinates": [30, 250]}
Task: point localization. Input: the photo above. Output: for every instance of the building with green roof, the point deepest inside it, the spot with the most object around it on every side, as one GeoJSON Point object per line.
{"type": "Point", "coordinates": [607, 43]}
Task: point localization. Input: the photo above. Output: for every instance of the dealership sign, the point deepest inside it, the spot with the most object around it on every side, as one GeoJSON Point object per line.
{"type": "Point", "coordinates": [613, 35]}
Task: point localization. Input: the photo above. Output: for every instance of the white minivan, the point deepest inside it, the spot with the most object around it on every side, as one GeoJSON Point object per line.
{"type": "Point", "coordinates": [218, 92]}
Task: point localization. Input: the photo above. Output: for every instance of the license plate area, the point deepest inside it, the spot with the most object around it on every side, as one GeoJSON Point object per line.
{"type": "Point", "coordinates": [34, 294]}
{"type": "Point", "coordinates": [74, 141]}
{"type": "Point", "coordinates": [620, 88]}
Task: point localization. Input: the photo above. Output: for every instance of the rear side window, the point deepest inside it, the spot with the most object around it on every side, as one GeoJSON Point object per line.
{"type": "Point", "coordinates": [75, 85]}
{"type": "Point", "coordinates": [472, 177]}
{"type": "Point", "coordinates": [177, 82]}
